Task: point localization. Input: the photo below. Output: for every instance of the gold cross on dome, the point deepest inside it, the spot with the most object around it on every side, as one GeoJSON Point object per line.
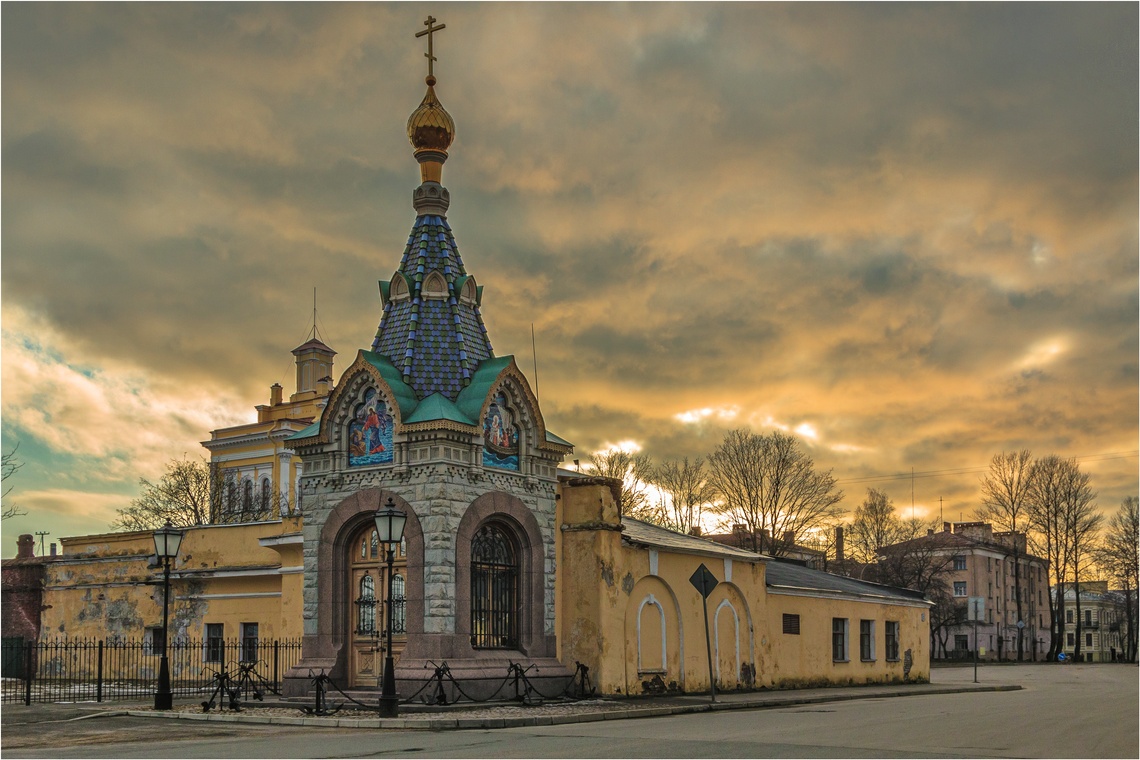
{"type": "Point", "coordinates": [429, 32]}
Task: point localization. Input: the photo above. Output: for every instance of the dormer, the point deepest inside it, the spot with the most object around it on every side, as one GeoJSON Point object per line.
{"type": "Point", "coordinates": [398, 290]}
{"type": "Point", "coordinates": [467, 290]}
{"type": "Point", "coordinates": [434, 286]}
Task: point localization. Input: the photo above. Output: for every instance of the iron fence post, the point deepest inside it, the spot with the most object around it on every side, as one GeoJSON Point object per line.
{"type": "Point", "coordinates": [276, 651]}
{"type": "Point", "coordinates": [99, 674]}
{"type": "Point", "coordinates": [27, 675]}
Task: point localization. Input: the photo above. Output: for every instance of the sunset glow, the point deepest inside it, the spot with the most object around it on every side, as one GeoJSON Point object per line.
{"type": "Point", "coordinates": [904, 233]}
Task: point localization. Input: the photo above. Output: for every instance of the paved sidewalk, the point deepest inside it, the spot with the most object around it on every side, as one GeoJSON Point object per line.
{"type": "Point", "coordinates": [486, 716]}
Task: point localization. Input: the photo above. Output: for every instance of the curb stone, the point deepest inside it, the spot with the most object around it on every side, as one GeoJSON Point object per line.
{"type": "Point", "coordinates": [768, 702]}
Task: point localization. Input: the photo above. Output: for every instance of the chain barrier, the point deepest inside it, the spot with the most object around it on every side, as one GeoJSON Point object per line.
{"type": "Point", "coordinates": [578, 687]}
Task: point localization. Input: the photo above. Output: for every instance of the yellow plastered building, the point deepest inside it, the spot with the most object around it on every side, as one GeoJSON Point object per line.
{"type": "Point", "coordinates": [629, 610]}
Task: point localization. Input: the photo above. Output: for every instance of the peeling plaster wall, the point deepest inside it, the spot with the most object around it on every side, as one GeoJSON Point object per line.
{"type": "Point", "coordinates": [108, 585]}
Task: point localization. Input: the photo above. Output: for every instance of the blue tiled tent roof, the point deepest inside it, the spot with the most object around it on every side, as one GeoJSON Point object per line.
{"type": "Point", "coordinates": [435, 344]}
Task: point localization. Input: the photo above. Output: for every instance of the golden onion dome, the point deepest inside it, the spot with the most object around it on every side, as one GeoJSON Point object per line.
{"type": "Point", "coordinates": [430, 126]}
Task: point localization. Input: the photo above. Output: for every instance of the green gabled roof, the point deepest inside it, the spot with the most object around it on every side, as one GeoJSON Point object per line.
{"type": "Point", "coordinates": [405, 396]}
{"type": "Point", "coordinates": [552, 438]}
{"type": "Point", "coordinates": [311, 430]}
{"type": "Point", "coordinates": [436, 407]}
{"type": "Point", "coordinates": [471, 398]}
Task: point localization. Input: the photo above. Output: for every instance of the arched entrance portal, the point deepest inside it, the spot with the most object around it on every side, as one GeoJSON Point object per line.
{"type": "Point", "coordinates": [367, 592]}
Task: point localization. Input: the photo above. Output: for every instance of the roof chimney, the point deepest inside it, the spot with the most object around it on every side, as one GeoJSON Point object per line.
{"type": "Point", "coordinates": [25, 546]}
{"type": "Point", "coordinates": [695, 530]}
{"type": "Point", "coordinates": [51, 548]}
{"type": "Point", "coordinates": [838, 543]}
{"type": "Point", "coordinates": [275, 394]}
{"type": "Point", "coordinates": [789, 537]}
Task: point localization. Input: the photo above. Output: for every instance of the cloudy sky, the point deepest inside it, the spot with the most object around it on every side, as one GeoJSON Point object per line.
{"type": "Point", "coordinates": [908, 233]}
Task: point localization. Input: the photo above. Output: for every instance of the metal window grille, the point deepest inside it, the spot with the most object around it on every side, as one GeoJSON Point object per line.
{"type": "Point", "coordinates": [792, 624]}
{"type": "Point", "coordinates": [366, 606]}
{"type": "Point", "coordinates": [494, 590]}
{"type": "Point", "coordinates": [399, 605]}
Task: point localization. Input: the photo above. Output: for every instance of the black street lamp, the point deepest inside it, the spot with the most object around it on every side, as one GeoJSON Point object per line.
{"type": "Point", "coordinates": [389, 529]}
{"type": "Point", "coordinates": [167, 539]}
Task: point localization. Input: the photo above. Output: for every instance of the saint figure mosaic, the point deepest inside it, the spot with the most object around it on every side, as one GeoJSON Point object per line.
{"type": "Point", "coordinates": [500, 435]}
{"type": "Point", "coordinates": [370, 432]}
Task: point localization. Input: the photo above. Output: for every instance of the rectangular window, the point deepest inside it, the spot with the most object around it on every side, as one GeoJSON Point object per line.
{"type": "Point", "coordinates": [249, 642]}
{"type": "Point", "coordinates": [892, 640]}
{"type": "Point", "coordinates": [959, 562]}
{"type": "Point", "coordinates": [1072, 638]}
{"type": "Point", "coordinates": [1088, 617]}
{"type": "Point", "coordinates": [867, 640]}
{"type": "Point", "coordinates": [1068, 616]}
{"type": "Point", "coordinates": [839, 639]}
{"type": "Point", "coordinates": [1088, 639]}
{"type": "Point", "coordinates": [961, 643]}
{"type": "Point", "coordinates": [792, 624]}
{"type": "Point", "coordinates": [153, 636]}
{"type": "Point", "coordinates": [960, 588]}
{"type": "Point", "coordinates": [215, 642]}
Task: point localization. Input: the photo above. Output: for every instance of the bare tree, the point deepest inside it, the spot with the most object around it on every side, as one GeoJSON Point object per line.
{"type": "Point", "coordinates": [1118, 556]}
{"type": "Point", "coordinates": [1082, 522]}
{"type": "Point", "coordinates": [768, 484]}
{"type": "Point", "coordinates": [1061, 510]}
{"type": "Point", "coordinates": [1005, 493]}
{"type": "Point", "coordinates": [635, 471]}
{"type": "Point", "coordinates": [9, 466]}
{"type": "Point", "coordinates": [184, 495]}
{"type": "Point", "coordinates": [875, 526]}
{"type": "Point", "coordinates": [689, 492]}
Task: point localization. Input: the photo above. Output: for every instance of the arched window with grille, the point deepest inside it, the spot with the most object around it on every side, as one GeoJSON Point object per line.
{"type": "Point", "coordinates": [494, 589]}
{"type": "Point", "coordinates": [366, 606]}
{"type": "Point", "coordinates": [247, 495]}
{"type": "Point", "coordinates": [266, 495]}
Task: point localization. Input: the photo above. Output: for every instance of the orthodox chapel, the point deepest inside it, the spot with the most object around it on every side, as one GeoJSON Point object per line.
{"type": "Point", "coordinates": [431, 419]}
{"type": "Point", "coordinates": [506, 559]}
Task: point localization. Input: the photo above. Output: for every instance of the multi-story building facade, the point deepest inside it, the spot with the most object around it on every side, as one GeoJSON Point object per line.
{"type": "Point", "coordinates": [256, 469]}
{"type": "Point", "coordinates": [981, 563]}
{"type": "Point", "coordinates": [1104, 622]}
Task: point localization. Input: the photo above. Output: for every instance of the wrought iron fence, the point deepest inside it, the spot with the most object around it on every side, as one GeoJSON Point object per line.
{"type": "Point", "coordinates": [83, 670]}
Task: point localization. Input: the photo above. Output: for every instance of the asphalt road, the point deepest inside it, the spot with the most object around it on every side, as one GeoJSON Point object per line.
{"type": "Point", "coordinates": [1063, 711]}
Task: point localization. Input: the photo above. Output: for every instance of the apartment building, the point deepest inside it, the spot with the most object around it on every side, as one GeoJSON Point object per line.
{"type": "Point", "coordinates": [981, 563]}
{"type": "Point", "coordinates": [1104, 623]}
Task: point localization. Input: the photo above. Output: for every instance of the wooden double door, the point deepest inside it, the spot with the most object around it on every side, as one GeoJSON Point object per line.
{"type": "Point", "coordinates": [368, 611]}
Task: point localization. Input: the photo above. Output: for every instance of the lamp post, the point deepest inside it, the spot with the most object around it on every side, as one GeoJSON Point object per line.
{"type": "Point", "coordinates": [167, 539]}
{"type": "Point", "coordinates": [389, 530]}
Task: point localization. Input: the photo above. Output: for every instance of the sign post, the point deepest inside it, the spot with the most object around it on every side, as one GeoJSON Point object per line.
{"type": "Point", "coordinates": [704, 581]}
{"type": "Point", "coordinates": [976, 612]}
